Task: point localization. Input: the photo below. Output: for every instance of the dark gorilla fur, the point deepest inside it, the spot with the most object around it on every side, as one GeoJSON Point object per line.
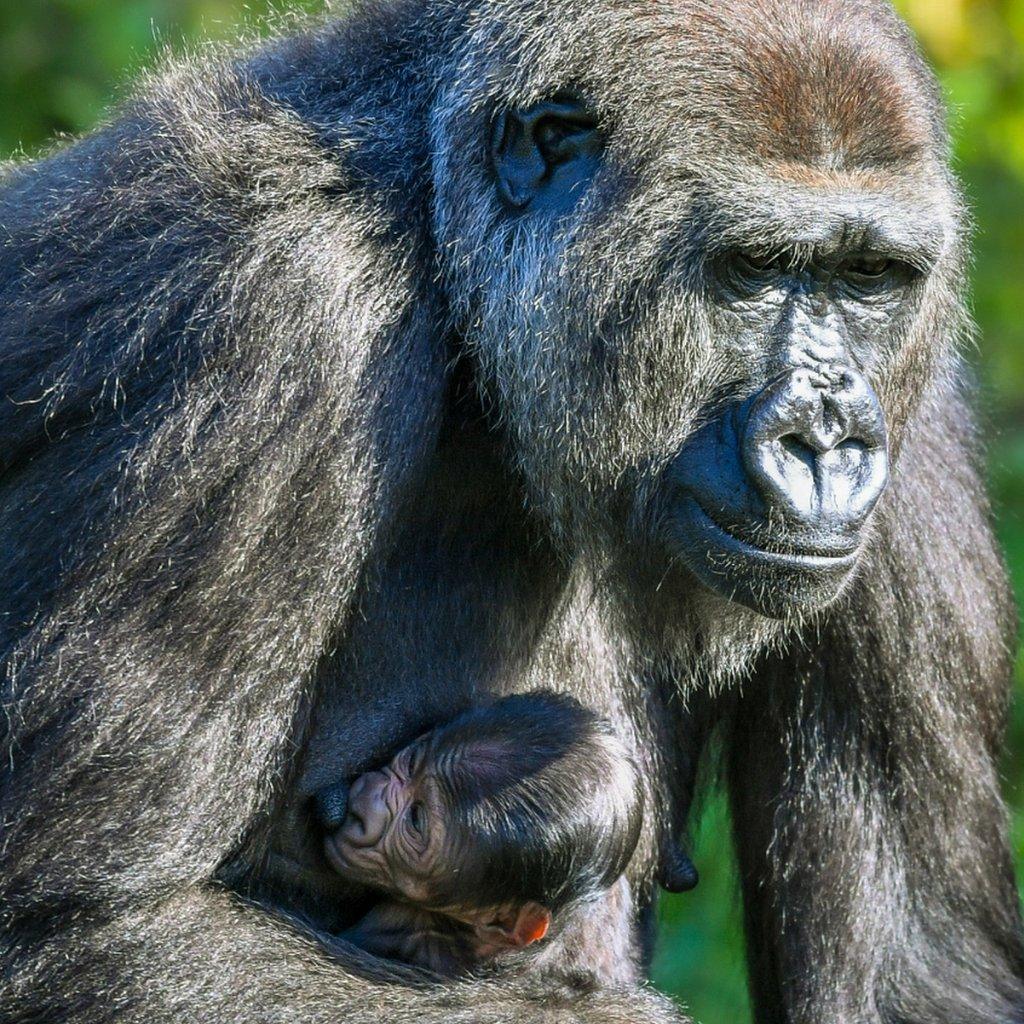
{"type": "Point", "coordinates": [306, 444]}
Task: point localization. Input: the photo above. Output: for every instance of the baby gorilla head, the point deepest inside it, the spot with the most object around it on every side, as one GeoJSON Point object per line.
{"type": "Point", "coordinates": [499, 819]}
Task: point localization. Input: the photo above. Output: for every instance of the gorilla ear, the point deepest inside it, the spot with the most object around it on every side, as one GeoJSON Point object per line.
{"type": "Point", "coordinates": [544, 156]}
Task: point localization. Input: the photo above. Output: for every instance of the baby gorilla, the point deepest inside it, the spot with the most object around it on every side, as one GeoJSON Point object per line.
{"type": "Point", "coordinates": [486, 830]}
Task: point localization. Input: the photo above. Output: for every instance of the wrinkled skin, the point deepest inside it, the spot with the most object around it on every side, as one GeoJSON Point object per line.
{"type": "Point", "coordinates": [394, 831]}
{"type": "Point", "coordinates": [517, 813]}
{"type": "Point", "coordinates": [471, 348]}
{"type": "Point", "coordinates": [394, 836]}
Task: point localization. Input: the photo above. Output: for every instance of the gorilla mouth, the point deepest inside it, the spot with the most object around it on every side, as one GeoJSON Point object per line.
{"type": "Point", "coordinates": [731, 546]}
{"type": "Point", "coordinates": [334, 854]}
{"type": "Point", "coordinates": [796, 471]}
{"type": "Point", "coordinates": [773, 583]}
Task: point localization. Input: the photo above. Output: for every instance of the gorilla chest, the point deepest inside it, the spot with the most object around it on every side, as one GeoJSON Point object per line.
{"type": "Point", "coordinates": [467, 605]}
{"type": "Point", "coordinates": [453, 618]}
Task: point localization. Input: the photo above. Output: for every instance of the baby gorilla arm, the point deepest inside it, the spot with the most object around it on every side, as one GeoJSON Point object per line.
{"type": "Point", "coordinates": [397, 931]}
{"type": "Point", "coordinates": [444, 944]}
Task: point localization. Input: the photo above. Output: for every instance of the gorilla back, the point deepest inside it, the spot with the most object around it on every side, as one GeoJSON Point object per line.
{"type": "Point", "coordinates": [466, 348]}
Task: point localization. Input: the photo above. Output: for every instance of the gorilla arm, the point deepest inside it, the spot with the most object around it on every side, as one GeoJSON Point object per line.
{"type": "Point", "coordinates": [872, 837]}
{"type": "Point", "coordinates": [230, 405]}
{"type": "Point", "coordinates": [204, 955]}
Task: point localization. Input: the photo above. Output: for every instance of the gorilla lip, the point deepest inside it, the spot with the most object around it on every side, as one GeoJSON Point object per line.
{"type": "Point", "coordinates": [732, 545]}
{"type": "Point", "coordinates": [335, 857]}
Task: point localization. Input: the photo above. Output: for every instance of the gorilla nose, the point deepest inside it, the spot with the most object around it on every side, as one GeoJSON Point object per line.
{"type": "Point", "coordinates": [814, 446]}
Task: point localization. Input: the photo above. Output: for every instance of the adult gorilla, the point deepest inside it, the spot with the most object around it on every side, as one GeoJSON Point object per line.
{"type": "Point", "coordinates": [466, 347]}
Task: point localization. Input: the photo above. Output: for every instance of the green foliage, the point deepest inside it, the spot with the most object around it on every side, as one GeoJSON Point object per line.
{"type": "Point", "coordinates": [699, 956]}
{"type": "Point", "coordinates": [62, 62]}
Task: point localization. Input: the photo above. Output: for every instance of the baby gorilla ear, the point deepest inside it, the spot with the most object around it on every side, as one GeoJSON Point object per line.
{"type": "Point", "coordinates": [521, 927]}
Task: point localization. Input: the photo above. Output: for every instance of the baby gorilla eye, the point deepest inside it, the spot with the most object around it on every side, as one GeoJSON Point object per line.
{"type": "Point", "coordinates": [416, 819]}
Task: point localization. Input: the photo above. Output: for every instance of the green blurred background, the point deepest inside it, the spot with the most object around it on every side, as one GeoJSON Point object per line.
{"type": "Point", "coordinates": [61, 62]}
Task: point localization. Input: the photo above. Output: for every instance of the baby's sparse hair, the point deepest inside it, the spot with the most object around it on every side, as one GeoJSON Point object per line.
{"type": "Point", "coordinates": [544, 799]}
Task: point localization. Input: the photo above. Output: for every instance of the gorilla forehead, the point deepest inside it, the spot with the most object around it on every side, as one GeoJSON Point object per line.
{"type": "Point", "coordinates": [825, 84]}
{"type": "Point", "coordinates": [819, 83]}
{"type": "Point", "coordinates": [834, 98]}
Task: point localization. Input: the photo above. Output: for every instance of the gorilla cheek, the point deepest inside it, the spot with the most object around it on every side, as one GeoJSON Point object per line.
{"type": "Point", "coordinates": [770, 500]}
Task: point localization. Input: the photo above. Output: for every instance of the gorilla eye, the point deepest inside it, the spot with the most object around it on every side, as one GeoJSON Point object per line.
{"type": "Point", "coordinates": [866, 274]}
{"type": "Point", "coordinates": [760, 264]}
{"type": "Point", "coordinates": [749, 271]}
{"type": "Point", "coordinates": [416, 817]}
{"type": "Point", "coordinates": [870, 266]}
{"type": "Point", "coordinates": [758, 260]}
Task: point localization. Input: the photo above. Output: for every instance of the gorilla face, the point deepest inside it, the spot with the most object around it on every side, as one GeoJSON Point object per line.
{"type": "Point", "coordinates": [770, 498]}
{"type": "Point", "coordinates": [704, 339]}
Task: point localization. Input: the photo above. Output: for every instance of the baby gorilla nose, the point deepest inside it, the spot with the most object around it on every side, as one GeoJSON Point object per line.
{"type": "Point", "coordinates": [367, 811]}
{"type": "Point", "coordinates": [814, 447]}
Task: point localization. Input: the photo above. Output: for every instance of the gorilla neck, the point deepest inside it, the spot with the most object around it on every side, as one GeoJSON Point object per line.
{"type": "Point", "coordinates": [679, 630]}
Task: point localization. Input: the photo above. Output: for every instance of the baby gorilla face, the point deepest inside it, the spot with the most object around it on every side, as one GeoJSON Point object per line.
{"type": "Point", "coordinates": [394, 831]}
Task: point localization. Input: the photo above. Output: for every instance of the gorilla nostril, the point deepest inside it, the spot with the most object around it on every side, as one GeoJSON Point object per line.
{"type": "Point", "coordinates": [851, 446]}
{"type": "Point", "coordinates": [798, 448]}
{"type": "Point", "coordinates": [814, 455]}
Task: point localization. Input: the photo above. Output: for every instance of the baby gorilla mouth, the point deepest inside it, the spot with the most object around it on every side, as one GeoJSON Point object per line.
{"type": "Point", "coordinates": [772, 497]}
{"type": "Point", "coordinates": [354, 828]}
{"type": "Point", "coordinates": [335, 854]}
